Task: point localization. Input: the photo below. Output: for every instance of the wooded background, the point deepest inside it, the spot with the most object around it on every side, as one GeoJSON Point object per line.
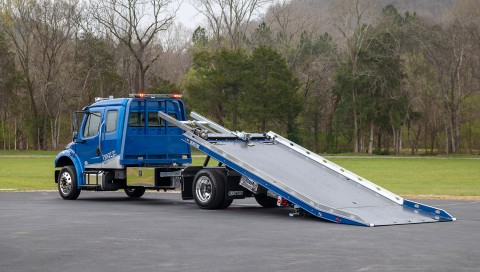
{"type": "Point", "coordinates": [362, 76]}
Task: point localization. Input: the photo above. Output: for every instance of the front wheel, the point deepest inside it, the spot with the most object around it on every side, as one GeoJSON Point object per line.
{"type": "Point", "coordinates": [67, 183]}
{"type": "Point", "coordinates": [134, 192]}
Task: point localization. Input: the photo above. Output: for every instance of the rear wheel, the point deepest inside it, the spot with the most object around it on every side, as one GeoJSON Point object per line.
{"type": "Point", "coordinates": [266, 201]}
{"type": "Point", "coordinates": [67, 183]}
{"type": "Point", "coordinates": [226, 203]}
{"type": "Point", "coordinates": [209, 190]}
{"type": "Point", "coordinates": [134, 192]}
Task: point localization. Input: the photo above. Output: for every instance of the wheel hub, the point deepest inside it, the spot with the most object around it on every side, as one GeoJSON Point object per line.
{"type": "Point", "coordinates": [203, 189]}
{"type": "Point", "coordinates": [65, 183]}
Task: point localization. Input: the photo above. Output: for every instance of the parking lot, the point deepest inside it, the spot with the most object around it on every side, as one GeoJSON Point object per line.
{"type": "Point", "coordinates": [160, 232]}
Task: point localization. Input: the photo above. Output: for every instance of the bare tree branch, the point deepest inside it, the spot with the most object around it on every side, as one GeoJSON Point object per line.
{"type": "Point", "coordinates": [136, 24]}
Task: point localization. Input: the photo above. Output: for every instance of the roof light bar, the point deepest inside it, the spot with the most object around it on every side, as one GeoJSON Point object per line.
{"type": "Point", "coordinates": [142, 95]}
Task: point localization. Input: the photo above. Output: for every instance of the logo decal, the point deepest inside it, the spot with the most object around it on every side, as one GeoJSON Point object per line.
{"type": "Point", "coordinates": [235, 193]}
{"type": "Point", "coordinates": [110, 155]}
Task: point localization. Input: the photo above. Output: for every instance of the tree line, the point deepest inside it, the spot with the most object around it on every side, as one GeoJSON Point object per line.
{"type": "Point", "coordinates": [335, 76]}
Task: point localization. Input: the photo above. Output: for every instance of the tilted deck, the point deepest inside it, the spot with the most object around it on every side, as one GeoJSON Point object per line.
{"type": "Point", "coordinates": [308, 180]}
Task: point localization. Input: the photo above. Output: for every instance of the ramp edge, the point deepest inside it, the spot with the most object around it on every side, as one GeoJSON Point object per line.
{"type": "Point", "coordinates": [439, 214]}
{"type": "Point", "coordinates": [337, 168]}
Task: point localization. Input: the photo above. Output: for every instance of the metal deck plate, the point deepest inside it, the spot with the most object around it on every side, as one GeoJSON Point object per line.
{"type": "Point", "coordinates": [308, 180]}
{"type": "Point", "coordinates": [321, 184]}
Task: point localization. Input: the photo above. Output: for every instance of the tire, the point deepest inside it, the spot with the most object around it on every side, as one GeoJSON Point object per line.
{"type": "Point", "coordinates": [67, 183]}
{"type": "Point", "coordinates": [209, 190]}
{"type": "Point", "coordinates": [134, 192]}
{"type": "Point", "coordinates": [266, 201]}
{"type": "Point", "coordinates": [226, 203]}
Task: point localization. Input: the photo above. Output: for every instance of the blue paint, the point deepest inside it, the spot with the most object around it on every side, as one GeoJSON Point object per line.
{"type": "Point", "coordinates": [148, 142]}
{"type": "Point", "coordinates": [442, 214]}
{"type": "Point", "coordinates": [69, 153]}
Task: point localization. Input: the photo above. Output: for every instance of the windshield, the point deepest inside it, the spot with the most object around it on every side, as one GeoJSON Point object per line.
{"type": "Point", "coordinates": [92, 124]}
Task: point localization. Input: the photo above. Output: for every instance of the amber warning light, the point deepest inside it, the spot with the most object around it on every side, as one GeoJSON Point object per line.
{"type": "Point", "coordinates": [142, 95]}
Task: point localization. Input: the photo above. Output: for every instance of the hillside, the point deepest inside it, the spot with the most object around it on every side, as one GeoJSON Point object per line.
{"type": "Point", "coordinates": [433, 9]}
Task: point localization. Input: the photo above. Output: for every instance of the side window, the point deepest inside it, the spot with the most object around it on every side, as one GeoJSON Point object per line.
{"type": "Point", "coordinates": [92, 125]}
{"type": "Point", "coordinates": [154, 120]}
{"type": "Point", "coordinates": [112, 120]}
{"type": "Point", "coordinates": [135, 119]}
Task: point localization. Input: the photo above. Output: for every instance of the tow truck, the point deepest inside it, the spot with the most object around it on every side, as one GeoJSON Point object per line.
{"type": "Point", "coordinates": [144, 142]}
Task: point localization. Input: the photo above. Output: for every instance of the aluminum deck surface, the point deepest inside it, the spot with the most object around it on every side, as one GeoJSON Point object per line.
{"type": "Point", "coordinates": [321, 184]}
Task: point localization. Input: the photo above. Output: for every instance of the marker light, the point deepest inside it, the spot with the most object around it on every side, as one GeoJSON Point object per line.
{"type": "Point", "coordinates": [282, 202]}
{"type": "Point", "coordinates": [142, 95]}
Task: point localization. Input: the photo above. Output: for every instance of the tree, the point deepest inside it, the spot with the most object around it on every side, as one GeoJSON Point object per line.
{"type": "Point", "coordinates": [271, 100]}
{"type": "Point", "coordinates": [199, 37]}
{"type": "Point", "coordinates": [96, 72]}
{"type": "Point", "coordinates": [215, 81]}
{"type": "Point", "coordinates": [17, 25]}
{"type": "Point", "coordinates": [262, 36]}
{"type": "Point", "coordinates": [425, 102]}
{"type": "Point", "coordinates": [315, 68]}
{"type": "Point", "coordinates": [288, 20]}
{"type": "Point", "coordinates": [229, 18]}
{"type": "Point", "coordinates": [136, 25]}
{"type": "Point", "coordinates": [353, 22]}
{"type": "Point", "coordinates": [453, 51]}
{"type": "Point", "coordinates": [162, 86]}
{"type": "Point", "coordinates": [8, 80]}
{"type": "Point", "coordinates": [40, 32]}
{"type": "Point", "coordinates": [378, 97]}
{"type": "Point", "coordinates": [245, 91]}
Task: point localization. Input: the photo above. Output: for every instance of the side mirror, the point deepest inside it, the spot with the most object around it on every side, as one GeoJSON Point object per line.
{"type": "Point", "coordinates": [78, 117]}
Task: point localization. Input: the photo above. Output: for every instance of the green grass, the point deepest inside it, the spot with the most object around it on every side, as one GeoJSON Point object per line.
{"type": "Point", "coordinates": [423, 176]}
{"type": "Point", "coordinates": [28, 153]}
{"type": "Point", "coordinates": [27, 173]}
{"type": "Point", "coordinates": [455, 176]}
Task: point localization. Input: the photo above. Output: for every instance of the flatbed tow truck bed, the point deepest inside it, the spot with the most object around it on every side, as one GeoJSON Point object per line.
{"type": "Point", "coordinates": [312, 183]}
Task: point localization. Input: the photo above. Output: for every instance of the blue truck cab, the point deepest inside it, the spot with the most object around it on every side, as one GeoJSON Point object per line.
{"type": "Point", "coordinates": [112, 135]}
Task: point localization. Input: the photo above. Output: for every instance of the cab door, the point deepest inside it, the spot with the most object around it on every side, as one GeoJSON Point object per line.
{"type": "Point", "coordinates": [88, 141]}
{"type": "Point", "coordinates": [111, 134]}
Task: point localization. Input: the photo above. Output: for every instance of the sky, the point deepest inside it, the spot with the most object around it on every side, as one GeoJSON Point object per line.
{"type": "Point", "coordinates": [191, 18]}
{"type": "Point", "coordinates": [188, 15]}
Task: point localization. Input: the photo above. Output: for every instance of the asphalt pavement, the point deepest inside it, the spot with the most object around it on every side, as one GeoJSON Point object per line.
{"type": "Point", "coordinates": [160, 232]}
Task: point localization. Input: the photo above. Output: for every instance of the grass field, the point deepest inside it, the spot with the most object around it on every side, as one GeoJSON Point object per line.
{"type": "Point", "coordinates": [454, 176]}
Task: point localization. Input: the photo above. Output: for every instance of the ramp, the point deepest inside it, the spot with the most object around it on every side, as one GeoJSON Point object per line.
{"type": "Point", "coordinates": [306, 179]}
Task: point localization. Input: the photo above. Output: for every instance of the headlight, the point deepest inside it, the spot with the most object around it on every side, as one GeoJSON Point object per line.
{"type": "Point", "coordinates": [68, 145]}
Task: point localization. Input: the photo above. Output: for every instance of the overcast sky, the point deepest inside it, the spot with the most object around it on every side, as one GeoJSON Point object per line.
{"type": "Point", "coordinates": [191, 18]}
{"type": "Point", "coordinates": [188, 15]}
